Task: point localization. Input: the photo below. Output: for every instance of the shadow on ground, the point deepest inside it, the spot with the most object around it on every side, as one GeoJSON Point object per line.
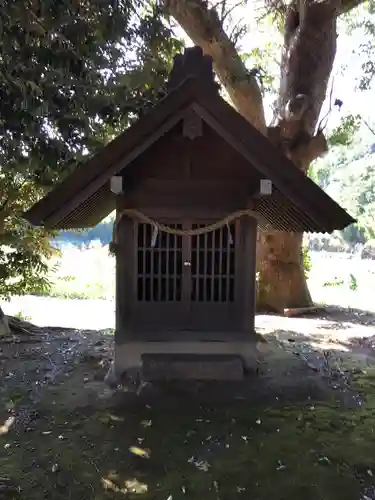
{"type": "Point", "coordinates": [283, 433]}
{"type": "Point", "coordinates": [350, 315]}
{"type": "Point", "coordinates": [349, 331]}
{"type": "Point", "coordinates": [179, 446]}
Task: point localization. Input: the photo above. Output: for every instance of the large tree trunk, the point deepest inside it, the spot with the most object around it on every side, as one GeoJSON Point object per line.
{"type": "Point", "coordinates": [282, 282]}
{"type": "Point", "coordinates": [308, 55]}
{"type": "Point", "coordinates": [307, 59]}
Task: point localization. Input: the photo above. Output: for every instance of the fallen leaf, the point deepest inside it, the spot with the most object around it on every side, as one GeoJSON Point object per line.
{"type": "Point", "coordinates": [116, 419]}
{"type": "Point", "coordinates": [4, 429]}
{"type": "Point", "coordinates": [281, 467]}
{"type": "Point", "coordinates": [144, 453]}
{"type": "Point", "coordinates": [134, 486]}
{"type": "Point", "coordinates": [109, 485]}
{"type": "Point", "coordinates": [146, 423]}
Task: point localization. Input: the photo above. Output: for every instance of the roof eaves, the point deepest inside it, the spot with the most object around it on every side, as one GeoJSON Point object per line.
{"type": "Point", "coordinates": [248, 139]}
{"type": "Point", "coordinates": [246, 151]}
{"type": "Point", "coordinates": [97, 166]}
{"type": "Point", "coordinates": [101, 180]}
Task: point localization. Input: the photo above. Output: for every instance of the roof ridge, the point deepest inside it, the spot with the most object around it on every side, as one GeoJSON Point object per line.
{"type": "Point", "coordinates": [193, 63]}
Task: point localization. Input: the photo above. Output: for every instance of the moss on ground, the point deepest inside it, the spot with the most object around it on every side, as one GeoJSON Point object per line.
{"type": "Point", "coordinates": [196, 451]}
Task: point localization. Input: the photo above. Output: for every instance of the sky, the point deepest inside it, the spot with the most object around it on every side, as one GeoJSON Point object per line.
{"type": "Point", "coordinates": [346, 71]}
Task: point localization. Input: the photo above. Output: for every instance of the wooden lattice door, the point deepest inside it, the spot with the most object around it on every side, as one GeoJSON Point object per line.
{"type": "Point", "coordinates": [213, 304]}
{"type": "Point", "coordinates": [185, 282]}
{"type": "Point", "coordinates": [160, 303]}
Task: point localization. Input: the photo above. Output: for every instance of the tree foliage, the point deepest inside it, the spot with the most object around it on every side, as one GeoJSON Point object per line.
{"type": "Point", "coordinates": [365, 25]}
{"type": "Point", "coordinates": [348, 174]}
{"type": "Point", "coordinates": [344, 133]}
{"type": "Point", "coordinates": [73, 73]}
{"type": "Point", "coordinates": [360, 26]}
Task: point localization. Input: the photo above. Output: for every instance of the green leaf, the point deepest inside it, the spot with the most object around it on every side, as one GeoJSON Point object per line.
{"type": "Point", "coordinates": [72, 76]}
{"type": "Point", "coordinates": [343, 134]}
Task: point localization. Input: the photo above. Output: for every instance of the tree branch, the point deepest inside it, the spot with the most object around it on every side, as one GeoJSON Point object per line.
{"type": "Point", "coordinates": [347, 5]}
{"type": "Point", "coordinates": [368, 126]}
{"type": "Point", "coordinates": [227, 12]}
{"type": "Point", "coordinates": [305, 149]}
{"type": "Point", "coordinates": [203, 26]}
{"type": "Point", "coordinates": [307, 60]}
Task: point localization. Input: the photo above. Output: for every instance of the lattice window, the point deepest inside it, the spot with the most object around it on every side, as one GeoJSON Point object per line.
{"type": "Point", "coordinates": [159, 267]}
{"type": "Point", "coordinates": [212, 265]}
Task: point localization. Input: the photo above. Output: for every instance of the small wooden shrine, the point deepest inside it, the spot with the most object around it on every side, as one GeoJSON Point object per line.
{"type": "Point", "coordinates": [191, 181]}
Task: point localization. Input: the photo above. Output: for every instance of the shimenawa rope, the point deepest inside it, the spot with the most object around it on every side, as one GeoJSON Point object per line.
{"type": "Point", "coordinates": [136, 214]}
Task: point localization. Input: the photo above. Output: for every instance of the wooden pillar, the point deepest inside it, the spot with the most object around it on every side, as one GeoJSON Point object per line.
{"type": "Point", "coordinates": [125, 284]}
{"type": "Point", "coordinates": [249, 273]}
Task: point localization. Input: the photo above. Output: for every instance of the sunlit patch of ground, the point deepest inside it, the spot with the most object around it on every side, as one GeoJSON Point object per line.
{"type": "Point", "coordinates": [93, 314]}
{"type": "Point", "coordinates": [321, 332]}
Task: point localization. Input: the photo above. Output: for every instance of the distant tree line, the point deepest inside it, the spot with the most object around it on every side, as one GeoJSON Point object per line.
{"type": "Point", "coordinates": [101, 232]}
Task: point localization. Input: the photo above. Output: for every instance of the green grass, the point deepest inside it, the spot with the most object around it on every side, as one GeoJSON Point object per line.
{"type": "Point", "coordinates": [197, 451]}
{"type": "Point", "coordinates": [90, 274]}
{"type": "Point", "coordinates": [83, 274]}
{"type": "Point", "coordinates": [75, 289]}
{"type": "Point", "coordinates": [22, 316]}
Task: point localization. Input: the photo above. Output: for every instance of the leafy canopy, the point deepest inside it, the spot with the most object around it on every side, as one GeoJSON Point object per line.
{"type": "Point", "coordinates": [73, 73]}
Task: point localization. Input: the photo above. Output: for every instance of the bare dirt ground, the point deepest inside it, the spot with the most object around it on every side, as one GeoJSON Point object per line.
{"type": "Point", "coordinates": [301, 354]}
{"type": "Point", "coordinates": [52, 393]}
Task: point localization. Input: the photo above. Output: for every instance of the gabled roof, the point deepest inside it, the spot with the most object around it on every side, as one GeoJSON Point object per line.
{"type": "Point", "coordinates": [297, 203]}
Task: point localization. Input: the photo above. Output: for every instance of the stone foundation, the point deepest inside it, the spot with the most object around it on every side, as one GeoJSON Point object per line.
{"type": "Point", "coordinates": [128, 356]}
{"type": "Point", "coordinates": [191, 367]}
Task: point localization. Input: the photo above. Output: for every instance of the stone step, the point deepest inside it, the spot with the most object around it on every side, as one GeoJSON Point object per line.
{"type": "Point", "coordinates": [192, 367]}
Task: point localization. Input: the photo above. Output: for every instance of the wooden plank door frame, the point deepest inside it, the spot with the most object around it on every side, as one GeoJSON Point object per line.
{"type": "Point", "coordinates": [186, 270]}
